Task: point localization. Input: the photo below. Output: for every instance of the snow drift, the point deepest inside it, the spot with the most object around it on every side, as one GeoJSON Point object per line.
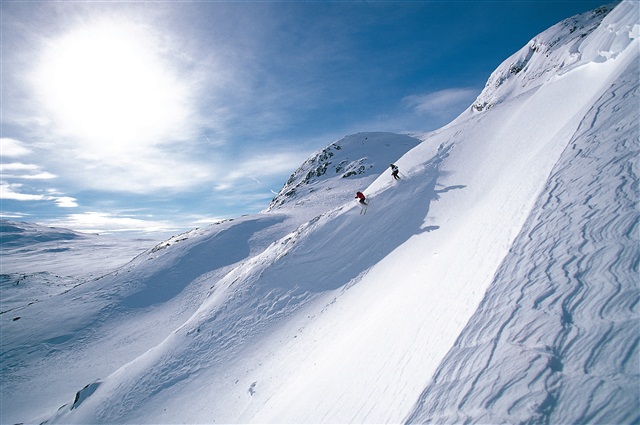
{"type": "Point", "coordinates": [495, 282]}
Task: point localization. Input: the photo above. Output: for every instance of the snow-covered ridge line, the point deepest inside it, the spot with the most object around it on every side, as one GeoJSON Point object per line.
{"type": "Point", "coordinates": [561, 48]}
{"type": "Point", "coordinates": [358, 158]}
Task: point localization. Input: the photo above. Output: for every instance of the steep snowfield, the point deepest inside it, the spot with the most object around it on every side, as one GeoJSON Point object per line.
{"type": "Point", "coordinates": [556, 338]}
{"type": "Point", "coordinates": [495, 282]}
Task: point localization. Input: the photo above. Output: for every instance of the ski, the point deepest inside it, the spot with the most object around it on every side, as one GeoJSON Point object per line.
{"type": "Point", "coordinates": [363, 208]}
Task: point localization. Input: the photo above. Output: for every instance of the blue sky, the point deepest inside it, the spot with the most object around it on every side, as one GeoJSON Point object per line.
{"type": "Point", "coordinates": [164, 116]}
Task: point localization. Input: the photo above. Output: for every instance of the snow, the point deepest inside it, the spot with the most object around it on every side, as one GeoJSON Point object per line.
{"type": "Point", "coordinates": [51, 260]}
{"type": "Point", "coordinates": [495, 282]}
{"type": "Point", "coordinates": [562, 310]}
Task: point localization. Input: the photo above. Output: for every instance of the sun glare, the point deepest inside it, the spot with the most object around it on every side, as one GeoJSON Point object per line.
{"type": "Point", "coordinates": [108, 86]}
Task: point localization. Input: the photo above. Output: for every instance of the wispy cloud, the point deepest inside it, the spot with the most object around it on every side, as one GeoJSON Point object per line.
{"type": "Point", "coordinates": [18, 170]}
{"type": "Point", "coordinates": [17, 166]}
{"type": "Point", "coordinates": [265, 165]}
{"type": "Point", "coordinates": [12, 148]}
{"type": "Point", "coordinates": [64, 201]}
{"type": "Point", "coordinates": [127, 103]}
{"type": "Point", "coordinates": [12, 171]}
{"type": "Point", "coordinates": [252, 181]}
{"type": "Point", "coordinates": [186, 108]}
{"type": "Point", "coordinates": [151, 172]}
{"type": "Point", "coordinates": [441, 102]}
{"type": "Point", "coordinates": [14, 191]}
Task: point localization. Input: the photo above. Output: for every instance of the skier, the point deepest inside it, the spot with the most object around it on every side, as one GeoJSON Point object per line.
{"type": "Point", "coordinates": [363, 203]}
{"type": "Point", "coordinates": [395, 171]}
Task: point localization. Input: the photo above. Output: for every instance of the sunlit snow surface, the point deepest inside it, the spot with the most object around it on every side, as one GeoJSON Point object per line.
{"type": "Point", "coordinates": [39, 262]}
{"type": "Point", "coordinates": [497, 281]}
{"type": "Point", "coordinates": [556, 338]}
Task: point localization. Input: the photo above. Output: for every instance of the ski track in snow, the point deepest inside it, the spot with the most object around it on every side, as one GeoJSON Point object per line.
{"type": "Point", "coordinates": [556, 339]}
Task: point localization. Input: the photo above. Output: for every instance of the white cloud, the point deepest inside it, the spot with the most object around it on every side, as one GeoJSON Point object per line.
{"type": "Point", "coordinates": [149, 172]}
{"type": "Point", "coordinates": [199, 220]}
{"type": "Point", "coordinates": [251, 182]}
{"type": "Point", "coordinates": [29, 171]}
{"type": "Point", "coordinates": [12, 147]}
{"type": "Point", "coordinates": [127, 104]}
{"type": "Point", "coordinates": [266, 165]}
{"type": "Point", "coordinates": [65, 202]}
{"type": "Point", "coordinates": [12, 191]}
{"type": "Point", "coordinates": [440, 102]}
{"type": "Point", "coordinates": [13, 214]}
{"type": "Point", "coordinates": [18, 166]}
{"type": "Point", "coordinates": [38, 176]}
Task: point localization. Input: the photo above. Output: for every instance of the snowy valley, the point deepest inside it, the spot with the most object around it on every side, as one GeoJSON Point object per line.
{"type": "Point", "coordinates": [495, 282]}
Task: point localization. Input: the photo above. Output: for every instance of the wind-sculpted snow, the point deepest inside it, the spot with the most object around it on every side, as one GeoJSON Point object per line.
{"type": "Point", "coordinates": [556, 339]}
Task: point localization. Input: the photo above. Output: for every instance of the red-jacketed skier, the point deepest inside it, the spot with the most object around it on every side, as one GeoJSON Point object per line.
{"type": "Point", "coordinates": [360, 196]}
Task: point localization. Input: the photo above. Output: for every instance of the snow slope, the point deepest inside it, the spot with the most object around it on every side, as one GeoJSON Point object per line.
{"type": "Point", "coordinates": [560, 325]}
{"type": "Point", "coordinates": [130, 310]}
{"type": "Point", "coordinates": [496, 282]}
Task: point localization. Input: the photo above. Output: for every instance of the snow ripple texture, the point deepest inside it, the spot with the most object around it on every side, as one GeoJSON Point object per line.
{"type": "Point", "coordinates": [556, 339]}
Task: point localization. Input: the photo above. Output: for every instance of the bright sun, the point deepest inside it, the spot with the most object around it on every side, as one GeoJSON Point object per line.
{"type": "Point", "coordinates": [106, 85]}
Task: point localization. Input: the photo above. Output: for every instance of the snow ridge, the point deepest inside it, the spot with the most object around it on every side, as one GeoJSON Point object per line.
{"type": "Point", "coordinates": [557, 337]}
{"type": "Point", "coordinates": [559, 49]}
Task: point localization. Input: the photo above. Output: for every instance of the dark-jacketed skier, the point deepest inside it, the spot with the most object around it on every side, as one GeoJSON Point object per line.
{"type": "Point", "coordinates": [360, 196]}
{"type": "Point", "coordinates": [395, 171]}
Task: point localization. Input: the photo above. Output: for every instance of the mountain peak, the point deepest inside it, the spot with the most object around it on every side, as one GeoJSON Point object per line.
{"type": "Point", "coordinates": [344, 166]}
{"type": "Point", "coordinates": [552, 52]}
